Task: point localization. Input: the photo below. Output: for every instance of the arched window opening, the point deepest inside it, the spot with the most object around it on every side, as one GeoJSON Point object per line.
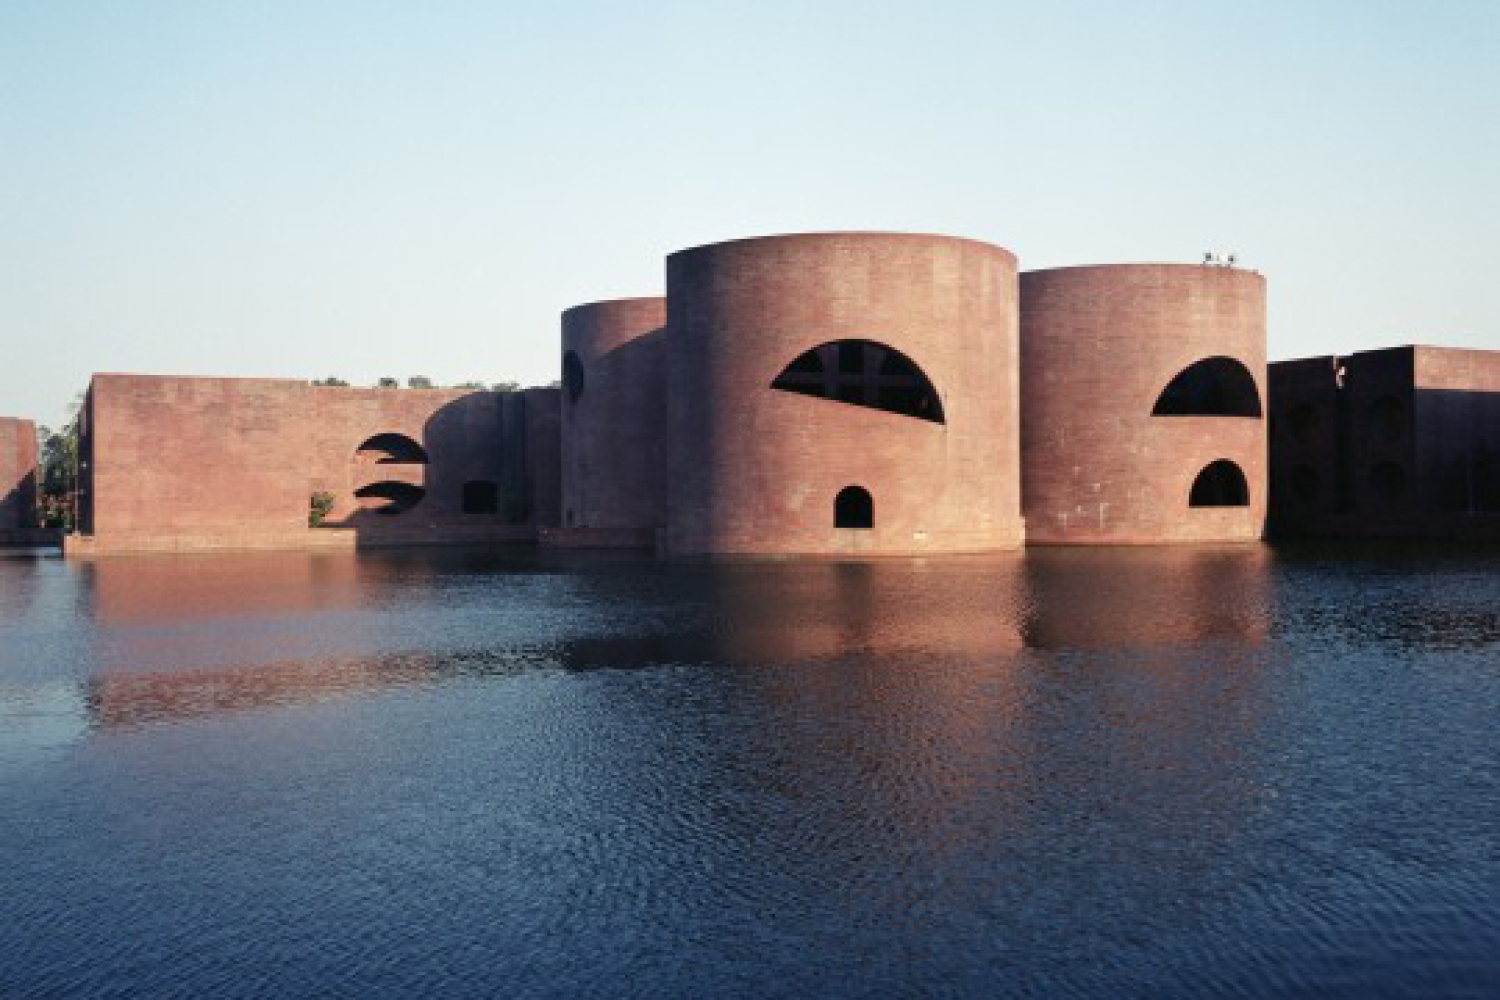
{"type": "Point", "coordinates": [1305, 483]}
{"type": "Point", "coordinates": [1389, 482]}
{"type": "Point", "coordinates": [1213, 387]}
{"type": "Point", "coordinates": [391, 449]}
{"type": "Point", "coordinates": [854, 508]}
{"type": "Point", "coordinates": [863, 373]}
{"type": "Point", "coordinates": [389, 498]}
{"type": "Point", "coordinates": [1388, 419]}
{"type": "Point", "coordinates": [1220, 484]}
{"type": "Point", "coordinates": [480, 496]}
{"type": "Point", "coordinates": [572, 376]}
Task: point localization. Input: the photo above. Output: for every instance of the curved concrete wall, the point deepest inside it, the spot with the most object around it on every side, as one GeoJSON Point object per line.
{"type": "Point", "coordinates": [752, 469]}
{"type": "Point", "coordinates": [1098, 346]}
{"type": "Point", "coordinates": [612, 431]}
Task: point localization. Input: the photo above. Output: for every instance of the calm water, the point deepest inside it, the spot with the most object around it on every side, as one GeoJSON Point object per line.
{"type": "Point", "coordinates": [1162, 773]}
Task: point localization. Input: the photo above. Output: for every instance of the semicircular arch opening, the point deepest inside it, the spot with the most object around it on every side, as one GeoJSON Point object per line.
{"type": "Point", "coordinates": [863, 373]}
{"type": "Point", "coordinates": [1212, 387]}
{"type": "Point", "coordinates": [1220, 484]}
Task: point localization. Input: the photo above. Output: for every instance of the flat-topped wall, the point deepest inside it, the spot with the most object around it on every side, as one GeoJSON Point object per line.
{"type": "Point", "coordinates": [1395, 443]}
{"type": "Point", "coordinates": [842, 393]}
{"type": "Point", "coordinates": [18, 481]}
{"type": "Point", "coordinates": [1142, 402]}
{"type": "Point", "coordinates": [203, 463]}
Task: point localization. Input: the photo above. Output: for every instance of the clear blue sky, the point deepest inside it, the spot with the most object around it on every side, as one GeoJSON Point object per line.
{"type": "Point", "coordinates": [364, 188]}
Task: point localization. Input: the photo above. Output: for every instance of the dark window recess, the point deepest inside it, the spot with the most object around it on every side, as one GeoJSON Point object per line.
{"type": "Point", "coordinates": [481, 497]}
{"type": "Point", "coordinates": [1388, 418]}
{"type": "Point", "coordinates": [1304, 422]}
{"type": "Point", "coordinates": [389, 498]}
{"type": "Point", "coordinates": [863, 373]}
{"type": "Point", "coordinates": [853, 508]}
{"type": "Point", "coordinates": [572, 376]}
{"type": "Point", "coordinates": [1305, 483]}
{"type": "Point", "coordinates": [1213, 387]}
{"type": "Point", "coordinates": [1220, 484]}
{"type": "Point", "coordinates": [1388, 480]}
{"type": "Point", "coordinates": [391, 449]}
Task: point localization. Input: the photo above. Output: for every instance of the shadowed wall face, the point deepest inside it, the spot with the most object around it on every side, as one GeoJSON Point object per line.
{"type": "Point", "coordinates": [1142, 404]}
{"type": "Point", "coordinates": [613, 418]}
{"type": "Point", "coordinates": [914, 399]}
{"type": "Point", "coordinates": [189, 463]}
{"type": "Point", "coordinates": [18, 479]}
{"type": "Point", "coordinates": [1397, 443]}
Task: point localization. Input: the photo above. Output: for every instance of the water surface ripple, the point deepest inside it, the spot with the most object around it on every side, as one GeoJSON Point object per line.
{"type": "Point", "coordinates": [1226, 772]}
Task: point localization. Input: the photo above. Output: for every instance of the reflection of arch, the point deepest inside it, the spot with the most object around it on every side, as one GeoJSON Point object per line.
{"type": "Point", "coordinates": [1220, 484]}
{"type": "Point", "coordinates": [572, 376]}
{"type": "Point", "coordinates": [1389, 481]}
{"type": "Point", "coordinates": [481, 497]}
{"type": "Point", "coordinates": [389, 498]}
{"type": "Point", "coordinates": [391, 449]}
{"type": "Point", "coordinates": [1213, 387]}
{"type": "Point", "coordinates": [854, 508]}
{"type": "Point", "coordinates": [1388, 418]}
{"type": "Point", "coordinates": [863, 373]}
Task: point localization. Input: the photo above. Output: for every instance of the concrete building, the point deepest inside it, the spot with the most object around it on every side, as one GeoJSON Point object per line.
{"type": "Point", "coordinates": [18, 481]}
{"type": "Point", "coordinates": [823, 394]}
{"type": "Point", "coordinates": [1142, 404]}
{"type": "Point", "coordinates": [174, 464]}
{"type": "Point", "coordinates": [1397, 443]}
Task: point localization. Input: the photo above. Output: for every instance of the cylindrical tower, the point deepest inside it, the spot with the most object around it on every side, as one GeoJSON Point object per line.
{"type": "Point", "coordinates": [1142, 404]}
{"type": "Point", "coordinates": [612, 422]}
{"type": "Point", "coordinates": [842, 392]}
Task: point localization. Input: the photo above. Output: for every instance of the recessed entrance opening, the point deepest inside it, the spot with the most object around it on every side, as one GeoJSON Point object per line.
{"type": "Point", "coordinates": [863, 373]}
{"type": "Point", "coordinates": [391, 449]}
{"type": "Point", "coordinates": [1213, 387]}
{"type": "Point", "coordinates": [481, 497]}
{"type": "Point", "coordinates": [389, 498]}
{"type": "Point", "coordinates": [854, 508]}
{"type": "Point", "coordinates": [1220, 484]}
{"type": "Point", "coordinates": [573, 376]}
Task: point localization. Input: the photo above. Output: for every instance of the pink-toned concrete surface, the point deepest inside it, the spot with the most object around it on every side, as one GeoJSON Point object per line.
{"type": "Point", "coordinates": [186, 464]}
{"type": "Point", "coordinates": [612, 433]}
{"type": "Point", "coordinates": [1098, 346]}
{"type": "Point", "coordinates": [750, 469]}
{"type": "Point", "coordinates": [18, 481]}
{"type": "Point", "coordinates": [1396, 443]}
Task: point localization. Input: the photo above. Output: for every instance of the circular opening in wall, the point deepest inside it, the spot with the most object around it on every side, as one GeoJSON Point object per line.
{"type": "Point", "coordinates": [1388, 481]}
{"type": "Point", "coordinates": [1305, 483]}
{"type": "Point", "coordinates": [572, 376]}
{"type": "Point", "coordinates": [1304, 422]}
{"type": "Point", "coordinates": [1388, 419]}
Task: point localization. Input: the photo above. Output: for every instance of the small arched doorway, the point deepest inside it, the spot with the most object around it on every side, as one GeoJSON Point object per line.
{"type": "Point", "coordinates": [854, 508]}
{"type": "Point", "coordinates": [1220, 484]}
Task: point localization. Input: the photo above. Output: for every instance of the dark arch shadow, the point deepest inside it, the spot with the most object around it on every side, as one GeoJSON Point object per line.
{"type": "Point", "coordinates": [1212, 387]}
{"type": "Point", "coordinates": [1220, 484]}
{"type": "Point", "coordinates": [863, 373]}
{"type": "Point", "coordinates": [391, 449]}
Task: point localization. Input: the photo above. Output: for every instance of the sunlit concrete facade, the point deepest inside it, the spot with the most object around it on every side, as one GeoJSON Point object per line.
{"type": "Point", "coordinates": [1397, 443]}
